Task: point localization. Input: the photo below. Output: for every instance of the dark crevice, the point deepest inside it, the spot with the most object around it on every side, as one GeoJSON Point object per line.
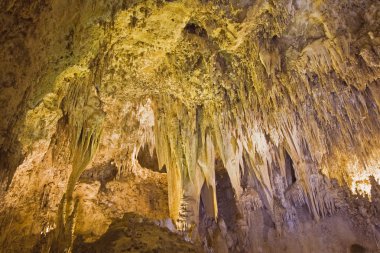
{"type": "Point", "coordinates": [225, 195]}
{"type": "Point", "coordinates": [103, 173]}
{"type": "Point", "coordinates": [356, 248]}
{"type": "Point", "coordinates": [195, 29]}
{"type": "Point", "coordinates": [289, 169]}
{"type": "Point", "coordinates": [10, 158]}
{"type": "Point", "coordinates": [222, 232]}
{"type": "Point", "coordinates": [148, 160]}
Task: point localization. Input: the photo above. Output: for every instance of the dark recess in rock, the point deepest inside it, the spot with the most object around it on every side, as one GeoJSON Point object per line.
{"type": "Point", "coordinates": [196, 29]}
{"type": "Point", "coordinates": [148, 161]}
{"type": "Point", "coordinates": [103, 173]}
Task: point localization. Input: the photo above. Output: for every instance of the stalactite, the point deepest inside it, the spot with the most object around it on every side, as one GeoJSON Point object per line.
{"type": "Point", "coordinates": [84, 122]}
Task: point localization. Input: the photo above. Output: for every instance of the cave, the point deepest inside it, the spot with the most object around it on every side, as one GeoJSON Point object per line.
{"type": "Point", "coordinates": [230, 126]}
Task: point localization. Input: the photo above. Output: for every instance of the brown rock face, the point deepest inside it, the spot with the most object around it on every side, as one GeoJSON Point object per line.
{"type": "Point", "coordinates": [190, 126]}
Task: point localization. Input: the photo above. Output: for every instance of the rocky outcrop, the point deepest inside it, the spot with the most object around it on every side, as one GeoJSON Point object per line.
{"type": "Point", "coordinates": [258, 122]}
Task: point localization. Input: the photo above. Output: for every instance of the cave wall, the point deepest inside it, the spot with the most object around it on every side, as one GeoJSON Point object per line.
{"type": "Point", "coordinates": [284, 94]}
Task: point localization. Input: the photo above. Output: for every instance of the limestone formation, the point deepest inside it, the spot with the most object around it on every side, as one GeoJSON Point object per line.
{"type": "Point", "coordinates": [238, 125]}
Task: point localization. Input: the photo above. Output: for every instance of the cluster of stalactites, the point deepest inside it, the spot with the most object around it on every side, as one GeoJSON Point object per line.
{"type": "Point", "coordinates": [311, 102]}
{"type": "Point", "coordinates": [82, 110]}
{"type": "Point", "coordinates": [185, 146]}
{"type": "Point", "coordinates": [82, 120]}
{"type": "Point", "coordinates": [314, 104]}
{"type": "Point", "coordinates": [190, 140]}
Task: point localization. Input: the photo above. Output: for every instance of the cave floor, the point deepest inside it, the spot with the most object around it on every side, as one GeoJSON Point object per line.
{"type": "Point", "coordinates": [136, 234]}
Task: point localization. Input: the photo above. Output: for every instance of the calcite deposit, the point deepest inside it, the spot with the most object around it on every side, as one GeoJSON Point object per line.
{"type": "Point", "coordinates": [190, 126]}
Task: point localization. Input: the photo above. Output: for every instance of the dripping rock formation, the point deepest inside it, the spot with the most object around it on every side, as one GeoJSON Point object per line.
{"type": "Point", "coordinates": [190, 126]}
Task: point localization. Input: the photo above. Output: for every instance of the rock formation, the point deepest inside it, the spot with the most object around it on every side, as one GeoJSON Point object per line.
{"type": "Point", "coordinates": [238, 125]}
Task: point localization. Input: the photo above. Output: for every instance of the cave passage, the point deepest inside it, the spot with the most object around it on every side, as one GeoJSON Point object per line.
{"type": "Point", "coordinates": [215, 126]}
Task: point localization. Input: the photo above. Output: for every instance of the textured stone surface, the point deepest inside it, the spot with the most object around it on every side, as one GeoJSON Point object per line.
{"type": "Point", "coordinates": [137, 234]}
{"type": "Point", "coordinates": [280, 97]}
